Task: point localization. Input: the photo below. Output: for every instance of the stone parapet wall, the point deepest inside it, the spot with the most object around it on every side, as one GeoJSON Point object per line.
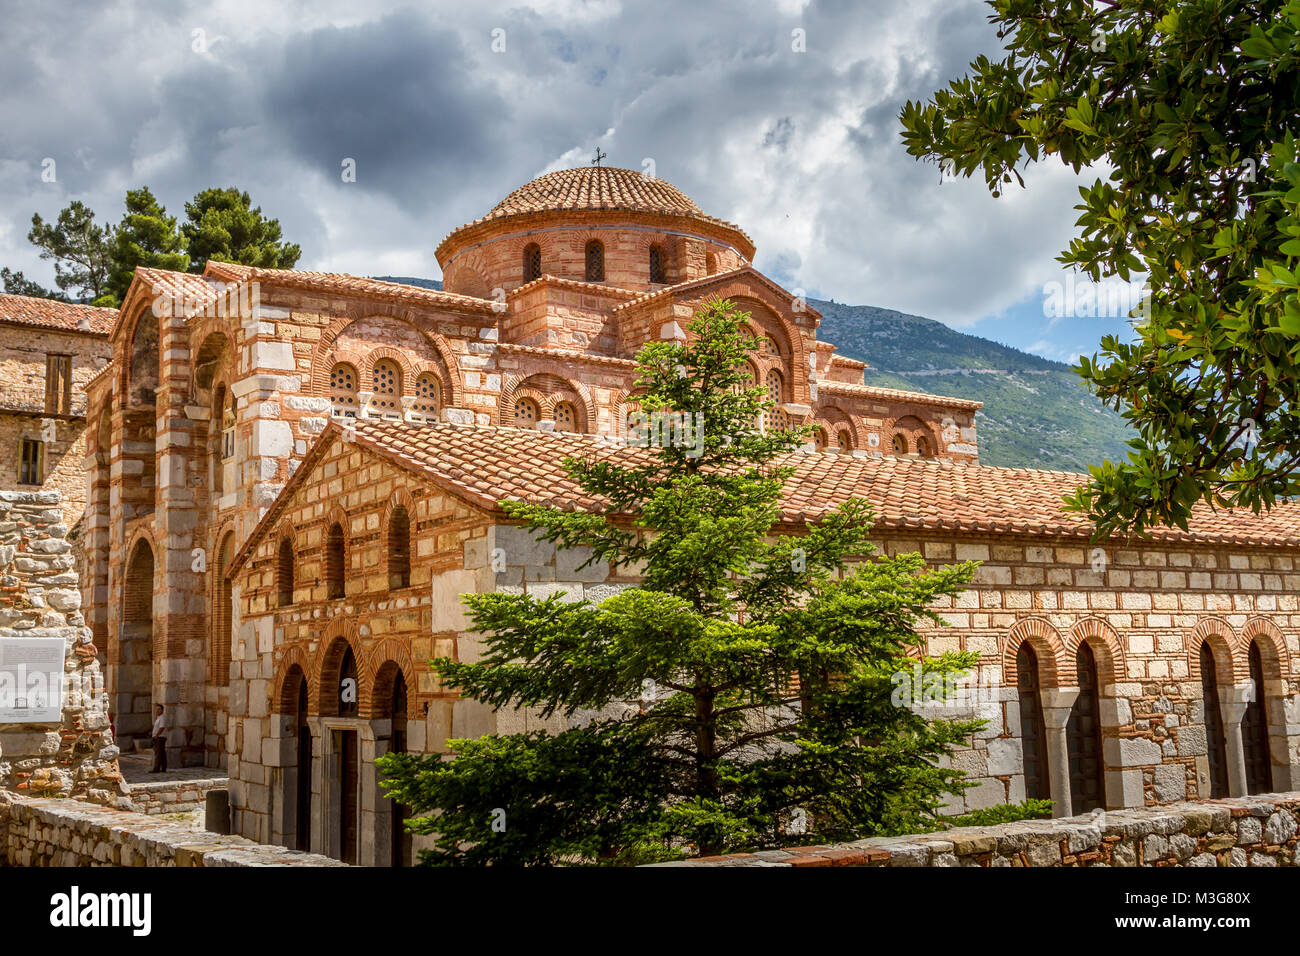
{"type": "Point", "coordinates": [1243, 831]}
{"type": "Point", "coordinates": [174, 796]}
{"type": "Point", "coordinates": [73, 833]}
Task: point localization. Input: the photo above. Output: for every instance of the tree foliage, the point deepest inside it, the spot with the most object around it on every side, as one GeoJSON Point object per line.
{"type": "Point", "coordinates": [80, 248]}
{"type": "Point", "coordinates": [738, 697]}
{"type": "Point", "coordinates": [146, 236]}
{"type": "Point", "coordinates": [15, 283]}
{"type": "Point", "coordinates": [223, 224]}
{"type": "Point", "coordinates": [1192, 105]}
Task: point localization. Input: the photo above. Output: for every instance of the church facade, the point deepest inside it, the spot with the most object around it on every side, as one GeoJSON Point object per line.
{"type": "Point", "coordinates": [293, 476]}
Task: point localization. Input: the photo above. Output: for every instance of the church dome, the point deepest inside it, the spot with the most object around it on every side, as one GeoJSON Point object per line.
{"type": "Point", "coordinates": [594, 189]}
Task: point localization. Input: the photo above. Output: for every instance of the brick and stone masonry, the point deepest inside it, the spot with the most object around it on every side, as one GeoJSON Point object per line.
{"type": "Point", "coordinates": [39, 597]}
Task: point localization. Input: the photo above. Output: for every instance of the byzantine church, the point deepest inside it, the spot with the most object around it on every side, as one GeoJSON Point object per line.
{"type": "Point", "coordinates": [292, 477]}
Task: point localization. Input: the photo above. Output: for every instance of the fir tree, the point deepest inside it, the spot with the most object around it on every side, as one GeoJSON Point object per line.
{"type": "Point", "coordinates": [764, 665]}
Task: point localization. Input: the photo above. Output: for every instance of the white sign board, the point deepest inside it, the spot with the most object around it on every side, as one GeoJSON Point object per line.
{"type": "Point", "coordinates": [31, 679]}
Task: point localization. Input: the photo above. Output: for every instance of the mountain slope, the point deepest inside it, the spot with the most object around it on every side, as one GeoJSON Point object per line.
{"type": "Point", "coordinates": [1036, 414]}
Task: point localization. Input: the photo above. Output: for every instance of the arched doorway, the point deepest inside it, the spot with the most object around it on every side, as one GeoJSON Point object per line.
{"type": "Point", "coordinates": [223, 612]}
{"type": "Point", "coordinates": [1214, 736]}
{"type": "Point", "coordinates": [1254, 730]}
{"type": "Point", "coordinates": [131, 675]}
{"type": "Point", "coordinates": [347, 774]}
{"type": "Point", "coordinates": [1083, 737]}
{"type": "Point", "coordinates": [302, 785]}
{"type": "Point", "coordinates": [400, 851]}
{"type": "Point", "coordinates": [1033, 735]}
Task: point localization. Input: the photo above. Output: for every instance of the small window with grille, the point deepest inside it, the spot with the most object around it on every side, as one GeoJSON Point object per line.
{"type": "Point", "coordinates": [387, 385]}
{"type": "Point", "coordinates": [658, 271]}
{"type": "Point", "coordinates": [526, 414]}
{"type": "Point", "coordinates": [426, 397]}
{"type": "Point", "coordinates": [566, 418]}
{"type": "Point", "coordinates": [532, 262]}
{"type": "Point", "coordinates": [899, 444]}
{"type": "Point", "coordinates": [343, 390]}
{"type": "Point", "coordinates": [595, 261]}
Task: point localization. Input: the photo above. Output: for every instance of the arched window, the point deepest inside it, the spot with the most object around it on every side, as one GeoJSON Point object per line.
{"type": "Point", "coordinates": [343, 390]}
{"type": "Point", "coordinates": [144, 360]}
{"type": "Point", "coordinates": [1083, 737]}
{"type": "Point", "coordinates": [1254, 730]}
{"type": "Point", "coordinates": [710, 263]}
{"type": "Point", "coordinates": [335, 562]}
{"type": "Point", "coordinates": [770, 347]}
{"type": "Point", "coordinates": [223, 444]}
{"type": "Point", "coordinates": [1218, 755]}
{"type": "Point", "coordinates": [223, 613]}
{"type": "Point", "coordinates": [899, 443]}
{"type": "Point", "coordinates": [819, 439]}
{"type": "Point", "coordinates": [349, 687]}
{"type": "Point", "coordinates": [566, 418]}
{"type": "Point", "coordinates": [387, 386]}
{"type": "Point", "coordinates": [844, 440]}
{"type": "Point", "coordinates": [399, 549]}
{"type": "Point", "coordinates": [284, 573]}
{"type": "Point", "coordinates": [532, 262]}
{"type": "Point", "coordinates": [1033, 733]}
{"type": "Point", "coordinates": [777, 417]}
{"type": "Point", "coordinates": [526, 413]}
{"type": "Point", "coordinates": [923, 447]}
{"type": "Point", "coordinates": [427, 398]}
{"type": "Point", "coordinates": [658, 272]}
{"type": "Point", "coordinates": [595, 261]}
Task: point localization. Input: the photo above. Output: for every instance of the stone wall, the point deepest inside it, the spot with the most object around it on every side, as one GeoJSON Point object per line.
{"type": "Point", "coordinates": [1249, 831]}
{"type": "Point", "coordinates": [73, 833]}
{"type": "Point", "coordinates": [174, 796]}
{"type": "Point", "coordinates": [39, 599]}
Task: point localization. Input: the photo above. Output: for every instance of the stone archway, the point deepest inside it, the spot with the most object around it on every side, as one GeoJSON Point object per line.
{"type": "Point", "coordinates": [131, 672]}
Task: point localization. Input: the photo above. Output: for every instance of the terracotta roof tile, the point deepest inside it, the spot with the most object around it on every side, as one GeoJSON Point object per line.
{"type": "Point", "coordinates": [52, 314]}
{"type": "Point", "coordinates": [595, 188]}
{"type": "Point", "coordinates": [895, 395]}
{"type": "Point", "coordinates": [487, 464]}
{"type": "Point", "coordinates": [342, 283]}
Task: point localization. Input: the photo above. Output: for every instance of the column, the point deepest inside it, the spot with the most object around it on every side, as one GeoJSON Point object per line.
{"type": "Point", "coordinates": [1057, 704]}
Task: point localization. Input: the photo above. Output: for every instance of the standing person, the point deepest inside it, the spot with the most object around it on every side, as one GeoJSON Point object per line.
{"type": "Point", "coordinates": [159, 740]}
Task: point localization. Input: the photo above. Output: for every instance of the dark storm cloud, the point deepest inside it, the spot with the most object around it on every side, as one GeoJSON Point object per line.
{"type": "Point", "coordinates": [801, 149]}
{"type": "Point", "coordinates": [400, 96]}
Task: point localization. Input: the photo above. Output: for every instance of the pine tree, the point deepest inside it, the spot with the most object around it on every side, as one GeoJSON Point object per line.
{"type": "Point", "coordinates": [223, 224]}
{"type": "Point", "coordinates": [764, 666]}
{"type": "Point", "coordinates": [79, 247]}
{"type": "Point", "coordinates": [146, 236]}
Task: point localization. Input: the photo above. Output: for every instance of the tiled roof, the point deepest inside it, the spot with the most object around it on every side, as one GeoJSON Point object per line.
{"type": "Point", "coordinates": [488, 464]}
{"type": "Point", "coordinates": [595, 188]}
{"type": "Point", "coordinates": [671, 290]}
{"type": "Point", "coordinates": [344, 284]}
{"type": "Point", "coordinates": [52, 314]}
{"type": "Point", "coordinates": [895, 395]}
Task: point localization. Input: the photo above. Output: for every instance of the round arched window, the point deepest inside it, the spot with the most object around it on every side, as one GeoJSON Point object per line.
{"type": "Point", "coordinates": [819, 439]}
{"type": "Point", "coordinates": [566, 418]}
{"type": "Point", "coordinates": [343, 390]}
{"type": "Point", "coordinates": [387, 388]}
{"type": "Point", "coordinates": [923, 447]}
{"type": "Point", "coordinates": [777, 417]}
{"type": "Point", "coordinates": [426, 397]}
{"type": "Point", "coordinates": [900, 444]}
{"type": "Point", "coordinates": [844, 440]}
{"type": "Point", "coordinates": [526, 413]}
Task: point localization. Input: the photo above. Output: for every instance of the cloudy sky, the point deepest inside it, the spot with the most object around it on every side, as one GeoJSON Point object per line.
{"type": "Point", "coordinates": [802, 149]}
